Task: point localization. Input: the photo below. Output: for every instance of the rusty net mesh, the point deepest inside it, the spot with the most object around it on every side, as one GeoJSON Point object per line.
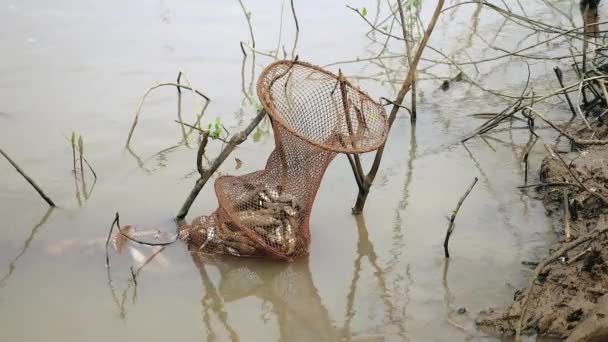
{"type": "Point", "coordinates": [315, 115]}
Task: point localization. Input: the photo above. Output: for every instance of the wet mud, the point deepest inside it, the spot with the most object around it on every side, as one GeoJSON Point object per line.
{"type": "Point", "coordinates": [568, 298]}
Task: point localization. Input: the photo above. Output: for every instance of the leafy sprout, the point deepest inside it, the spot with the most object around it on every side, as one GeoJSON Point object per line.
{"type": "Point", "coordinates": [215, 129]}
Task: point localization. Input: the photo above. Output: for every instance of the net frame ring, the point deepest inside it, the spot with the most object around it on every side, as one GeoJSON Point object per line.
{"type": "Point", "coordinates": [347, 142]}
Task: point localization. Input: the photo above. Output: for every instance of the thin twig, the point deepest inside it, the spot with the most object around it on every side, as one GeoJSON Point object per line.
{"type": "Point", "coordinates": [539, 185]}
{"type": "Point", "coordinates": [595, 194]}
{"type": "Point", "coordinates": [248, 17]}
{"type": "Point", "coordinates": [116, 218]}
{"type": "Point", "coordinates": [295, 42]}
{"type": "Point", "coordinates": [46, 198]}
{"type": "Point", "coordinates": [566, 215]}
{"type": "Point", "coordinates": [141, 103]}
{"type": "Point", "coordinates": [201, 152]}
{"type": "Point", "coordinates": [560, 79]}
{"type": "Point", "coordinates": [453, 218]}
{"type": "Point", "coordinates": [566, 134]}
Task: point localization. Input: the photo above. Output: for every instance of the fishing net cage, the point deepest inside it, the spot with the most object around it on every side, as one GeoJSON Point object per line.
{"type": "Point", "coordinates": [314, 115]}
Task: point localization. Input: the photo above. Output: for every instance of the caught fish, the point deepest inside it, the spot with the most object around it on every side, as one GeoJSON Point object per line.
{"type": "Point", "coordinates": [210, 237]}
{"type": "Point", "coordinates": [242, 249]}
{"type": "Point", "coordinates": [253, 219]}
{"type": "Point", "coordinates": [278, 234]}
{"type": "Point", "coordinates": [290, 211]}
{"type": "Point", "coordinates": [232, 251]}
{"type": "Point", "coordinates": [290, 237]}
{"type": "Point", "coordinates": [273, 194]}
{"type": "Point", "coordinates": [286, 198]}
{"type": "Point", "coordinates": [264, 197]}
{"type": "Point", "coordinates": [227, 235]}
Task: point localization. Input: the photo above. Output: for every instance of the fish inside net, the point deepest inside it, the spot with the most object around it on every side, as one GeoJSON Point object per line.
{"type": "Point", "coordinates": [315, 115]}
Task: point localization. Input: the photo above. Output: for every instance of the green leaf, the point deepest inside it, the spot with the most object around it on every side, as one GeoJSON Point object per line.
{"type": "Point", "coordinates": [385, 28]}
{"type": "Point", "coordinates": [80, 145]}
{"type": "Point", "coordinates": [258, 106]}
{"type": "Point", "coordinates": [364, 11]}
{"type": "Point", "coordinates": [73, 139]}
{"type": "Point", "coordinates": [257, 135]}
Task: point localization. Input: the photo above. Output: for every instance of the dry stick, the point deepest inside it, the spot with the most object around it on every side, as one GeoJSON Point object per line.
{"type": "Point", "coordinates": [179, 100]}
{"type": "Point", "coordinates": [533, 137]}
{"type": "Point", "coordinates": [90, 167]}
{"type": "Point", "coordinates": [248, 17]}
{"type": "Point", "coordinates": [73, 142]}
{"type": "Point", "coordinates": [199, 116]}
{"type": "Point", "coordinates": [566, 215]}
{"type": "Point", "coordinates": [236, 140]}
{"type": "Point", "coordinates": [405, 87]}
{"type": "Point", "coordinates": [595, 194]}
{"type": "Point", "coordinates": [578, 256]}
{"type": "Point", "coordinates": [276, 52]}
{"type": "Point", "coordinates": [453, 218]}
{"type": "Point", "coordinates": [507, 113]}
{"type": "Point", "coordinates": [201, 152]}
{"type": "Point", "coordinates": [28, 179]}
{"type": "Point", "coordinates": [492, 123]}
{"type": "Point", "coordinates": [408, 49]}
{"type": "Point", "coordinates": [116, 218]}
{"type": "Point", "coordinates": [357, 168]}
{"type": "Point", "coordinates": [141, 103]}
{"type": "Point", "coordinates": [566, 134]}
{"type": "Point", "coordinates": [295, 42]}
{"type": "Point", "coordinates": [560, 79]}
{"type": "Point", "coordinates": [80, 153]}
{"type": "Point", "coordinates": [539, 269]}
{"type": "Point", "coordinates": [549, 184]}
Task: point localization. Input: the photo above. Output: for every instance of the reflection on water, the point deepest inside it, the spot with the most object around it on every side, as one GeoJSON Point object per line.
{"type": "Point", "coordinates": [12, 264]}
{"type": "Point", "coordinates": [287, 290]}
{"type": "Point", "coordinates": [376, 277]}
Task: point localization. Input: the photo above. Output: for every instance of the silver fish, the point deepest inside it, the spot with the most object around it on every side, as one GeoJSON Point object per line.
{"type": "Point", "coordinates": [290, 236]}
{"type": "Point", "coordinates": [255, 219]}
{"type": "Point", "coordinates": [210, 237]}
{"type": "Point", "coordinates": [233, 251]}
{"type": "Point", "coordinates": [286, 198]}
{"type": "Point", "coordinates": [273, 194]}
{"type": "Point", "coordinates": [264, 197]}
{"type": "Point", "coordinates": [278, 234]}
{"type": "Point", "coordinates": [290, 211]}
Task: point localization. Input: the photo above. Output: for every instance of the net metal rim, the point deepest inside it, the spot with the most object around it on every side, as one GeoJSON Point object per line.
{"type": "Point", "coordinates": [277, 118]}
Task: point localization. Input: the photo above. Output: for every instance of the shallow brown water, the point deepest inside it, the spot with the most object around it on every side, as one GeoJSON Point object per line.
{"type": "Point", "coordinates": [83, 66]}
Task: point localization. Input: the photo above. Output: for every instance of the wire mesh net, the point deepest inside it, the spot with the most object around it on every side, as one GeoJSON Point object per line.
{"type": "Point", "coordinates": [315, 115]}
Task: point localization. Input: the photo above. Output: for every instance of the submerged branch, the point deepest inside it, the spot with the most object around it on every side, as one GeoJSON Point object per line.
{"type": "Point", "coordinates": [453, 218]}
{"type": "Point", "coordinates": [46, 198]}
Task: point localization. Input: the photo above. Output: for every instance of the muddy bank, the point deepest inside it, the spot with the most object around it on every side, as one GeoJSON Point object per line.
{"type": "Point", "coordinates": [568, 295]}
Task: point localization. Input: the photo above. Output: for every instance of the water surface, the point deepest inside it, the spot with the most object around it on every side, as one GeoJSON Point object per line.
{"type": "Point", "coordinates": [83, 66]}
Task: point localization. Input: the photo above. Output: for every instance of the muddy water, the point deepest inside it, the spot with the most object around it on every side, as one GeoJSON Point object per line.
{"type": "Point", "coordinates": [83, 66]}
